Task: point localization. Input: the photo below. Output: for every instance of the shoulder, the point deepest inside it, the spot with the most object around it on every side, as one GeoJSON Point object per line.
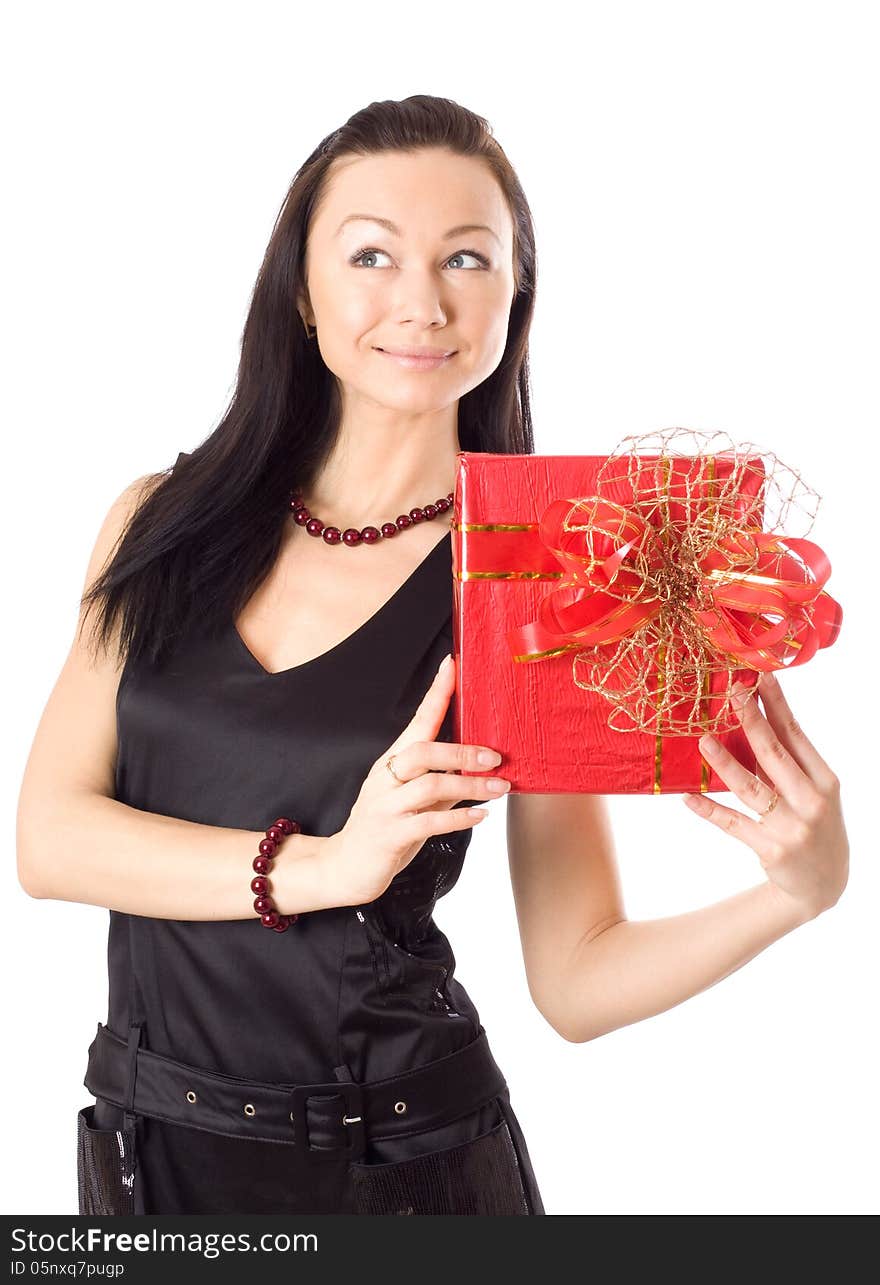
{"type": "Point", "coordinates": [117, 519]}
{"type": "Point", "coordinates": [119, 515]}
{"type": "Point", "coordinates": [129, 500]}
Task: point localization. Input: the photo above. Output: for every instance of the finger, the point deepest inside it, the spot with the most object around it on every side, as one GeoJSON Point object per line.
{"type": "Point", "coordinates": [790, 732]}
{"type": "Point", "coordinates": [423, 825]}
{"type": "Point", "coordinates": [781, 768]}
{"type": "Point", "coordinates": [748, 788]}
{"type": "Point", "coordinates": [449, 758]}
{"type": "Point", "coordinates": [428, 718]}
{"type": "Point", "coordinates": [447, 789]}
{"type": "Point", "coordinates": [759, 772]}
{"type": "Point", "coordinates": [729, 820]}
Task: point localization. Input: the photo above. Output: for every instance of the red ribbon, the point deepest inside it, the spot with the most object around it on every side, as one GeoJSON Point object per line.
{"type": "Point", "coordinates": [760, 599]}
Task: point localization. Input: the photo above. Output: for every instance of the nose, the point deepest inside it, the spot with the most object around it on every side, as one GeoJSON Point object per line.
{"type": "Point", "coordinates": [418, 299]}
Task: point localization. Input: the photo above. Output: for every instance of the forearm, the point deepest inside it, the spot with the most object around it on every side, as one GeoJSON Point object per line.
{"type": "Point", "coordinates": [638, 968]}
{"type": "Point", "coordinates": [101, 852]}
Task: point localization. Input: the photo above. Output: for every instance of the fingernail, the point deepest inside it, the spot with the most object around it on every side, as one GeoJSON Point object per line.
{"type": "Point", "coordinates": [708, 744]}
{"type": "Point", "coordinates": [445, 663]}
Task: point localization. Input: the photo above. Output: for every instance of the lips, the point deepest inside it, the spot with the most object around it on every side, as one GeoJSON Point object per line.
{"type": "Point", "coordinates": [417, 358]}
{"type": "Point", "coordinates": [432, 354]}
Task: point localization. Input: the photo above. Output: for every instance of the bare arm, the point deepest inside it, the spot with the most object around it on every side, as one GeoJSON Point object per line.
{"type": "Point", "coordinates": [591, 970]}
{"type": "Point", "coordinates": [93, 849]}
{"type": "Point", "coordinates": [639, 968]}
{"type": "Point", "coordinates": [76, 842]}
{"type": "Point", "coordinates": [566, 887]}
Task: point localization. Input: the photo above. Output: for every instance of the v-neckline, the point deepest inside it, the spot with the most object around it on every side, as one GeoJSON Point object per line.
{"type": "Point", "coordinates": [242, 646]}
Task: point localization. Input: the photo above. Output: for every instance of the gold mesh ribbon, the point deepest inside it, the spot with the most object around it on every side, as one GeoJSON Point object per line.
{"type": "Point", "coordinates": [679, 579]}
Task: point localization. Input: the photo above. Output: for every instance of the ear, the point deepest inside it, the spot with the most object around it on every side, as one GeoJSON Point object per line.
{"type": "Point", "coordinates": [304, 308]}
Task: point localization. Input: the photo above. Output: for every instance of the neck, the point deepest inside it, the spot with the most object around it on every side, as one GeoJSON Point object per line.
{"type": "Point", "coordinates": [380, 470]}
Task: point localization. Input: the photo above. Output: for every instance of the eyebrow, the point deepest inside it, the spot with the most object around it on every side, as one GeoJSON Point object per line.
{"type": "Point", "coordinates": [395, 230]}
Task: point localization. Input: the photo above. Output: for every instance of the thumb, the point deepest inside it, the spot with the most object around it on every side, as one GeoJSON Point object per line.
{"type": "Point", "coordinates": [428, 718]}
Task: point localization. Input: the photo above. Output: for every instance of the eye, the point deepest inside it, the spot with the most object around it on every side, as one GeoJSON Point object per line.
{"type": "Point", "coordinates": [361, 253]}
{"type": "Point", "coordinates": [481, 258]}
{"type": "Point", "coordinates": [370, 250]}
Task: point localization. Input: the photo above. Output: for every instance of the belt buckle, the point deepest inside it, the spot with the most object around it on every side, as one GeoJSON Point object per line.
{"type": "Point", "coordinates": [353, 1116]}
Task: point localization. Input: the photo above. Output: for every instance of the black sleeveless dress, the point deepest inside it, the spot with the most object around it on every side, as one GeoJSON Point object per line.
{"type": "Point", "coordinates": [212, 737]}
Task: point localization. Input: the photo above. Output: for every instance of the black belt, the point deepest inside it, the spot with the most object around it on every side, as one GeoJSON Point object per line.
{"type": "Point", "coordinates": [324, 1117]}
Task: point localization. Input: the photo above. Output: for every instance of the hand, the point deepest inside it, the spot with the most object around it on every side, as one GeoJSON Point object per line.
{"type": "Point", "coordinates": [801, 843]}
{"type": "Point", "coordinates": [392, 819]}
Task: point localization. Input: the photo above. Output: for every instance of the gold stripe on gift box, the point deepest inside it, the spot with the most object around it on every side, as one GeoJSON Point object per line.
{"type": "Point", "coordinates": [705, 770]}
{"type": "Point", "coordinates": [661, 650]}
{"type": "Point", "coordinates": [658, 741]}
{"type": "Point", "coordinates": [465, 527]}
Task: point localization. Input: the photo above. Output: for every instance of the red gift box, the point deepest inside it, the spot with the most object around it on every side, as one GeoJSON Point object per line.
{"type": "Point", "coordinates": [532, 538]}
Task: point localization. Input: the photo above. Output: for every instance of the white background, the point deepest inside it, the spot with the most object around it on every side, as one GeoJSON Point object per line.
{"type": "Point", "coordinates": [702, 179]}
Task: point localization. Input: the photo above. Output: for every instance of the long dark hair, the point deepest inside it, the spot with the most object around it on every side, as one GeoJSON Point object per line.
{"type": "Point", "coordinates": [202, 537]}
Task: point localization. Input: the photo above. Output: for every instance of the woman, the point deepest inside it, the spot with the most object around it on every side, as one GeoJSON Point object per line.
{"type": "Point", "coordinates": [302, 1045]}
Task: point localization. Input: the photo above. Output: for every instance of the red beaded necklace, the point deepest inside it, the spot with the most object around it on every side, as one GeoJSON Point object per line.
{"type": "Point", "coordinates": [368, 534]}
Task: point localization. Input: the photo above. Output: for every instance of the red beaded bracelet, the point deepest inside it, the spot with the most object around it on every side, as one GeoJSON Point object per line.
{"type": "Point", "coordinates": [264, 905]}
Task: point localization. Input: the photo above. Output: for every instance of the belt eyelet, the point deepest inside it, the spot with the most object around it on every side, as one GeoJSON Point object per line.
{"type": "Point", "coordinates": [249, 1109]}
{"type": "Point", "coordinates": [190, 1096]}
{"type": "Point", "coordinates": [400, 1107]}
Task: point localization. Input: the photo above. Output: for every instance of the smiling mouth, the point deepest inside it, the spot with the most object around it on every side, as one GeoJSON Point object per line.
{"type": "Point", "coordinates": [415, 361]}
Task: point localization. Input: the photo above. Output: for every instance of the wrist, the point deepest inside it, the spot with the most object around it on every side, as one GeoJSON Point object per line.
{"type": "Point", "coordinates": [331, 888]}
{"type": "Point", "coordinates": [334, 878]}
{"type": "Point", "coordinates": [791, 914]}
{"type": "Point", "coordinates": [303, 885]}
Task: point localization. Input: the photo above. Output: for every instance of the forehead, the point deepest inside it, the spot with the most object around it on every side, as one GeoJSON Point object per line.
{"type": "Point", "coordinates": [423, 192]}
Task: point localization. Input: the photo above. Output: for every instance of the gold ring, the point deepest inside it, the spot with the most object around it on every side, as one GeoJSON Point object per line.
{"type": "Point", "coordinates": [392, 771]}
{"type": "Point", "coordinates": [771, 805]}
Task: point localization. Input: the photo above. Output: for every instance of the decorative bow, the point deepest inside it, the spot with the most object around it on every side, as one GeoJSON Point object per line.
{"type": "Point", "coordinates": [657, 606]}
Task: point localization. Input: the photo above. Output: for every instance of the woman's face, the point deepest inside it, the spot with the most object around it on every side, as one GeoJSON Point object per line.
{"type": "Point", "coordinates": [429, 285]}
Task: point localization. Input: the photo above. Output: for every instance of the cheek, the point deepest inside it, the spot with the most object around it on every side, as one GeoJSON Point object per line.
{"type": "Point", "coordinates": [489, 330]}
{"type": "Point", "coordinates": [346, 303]}
{"type": "Point", "coordinates": [351, 313]}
